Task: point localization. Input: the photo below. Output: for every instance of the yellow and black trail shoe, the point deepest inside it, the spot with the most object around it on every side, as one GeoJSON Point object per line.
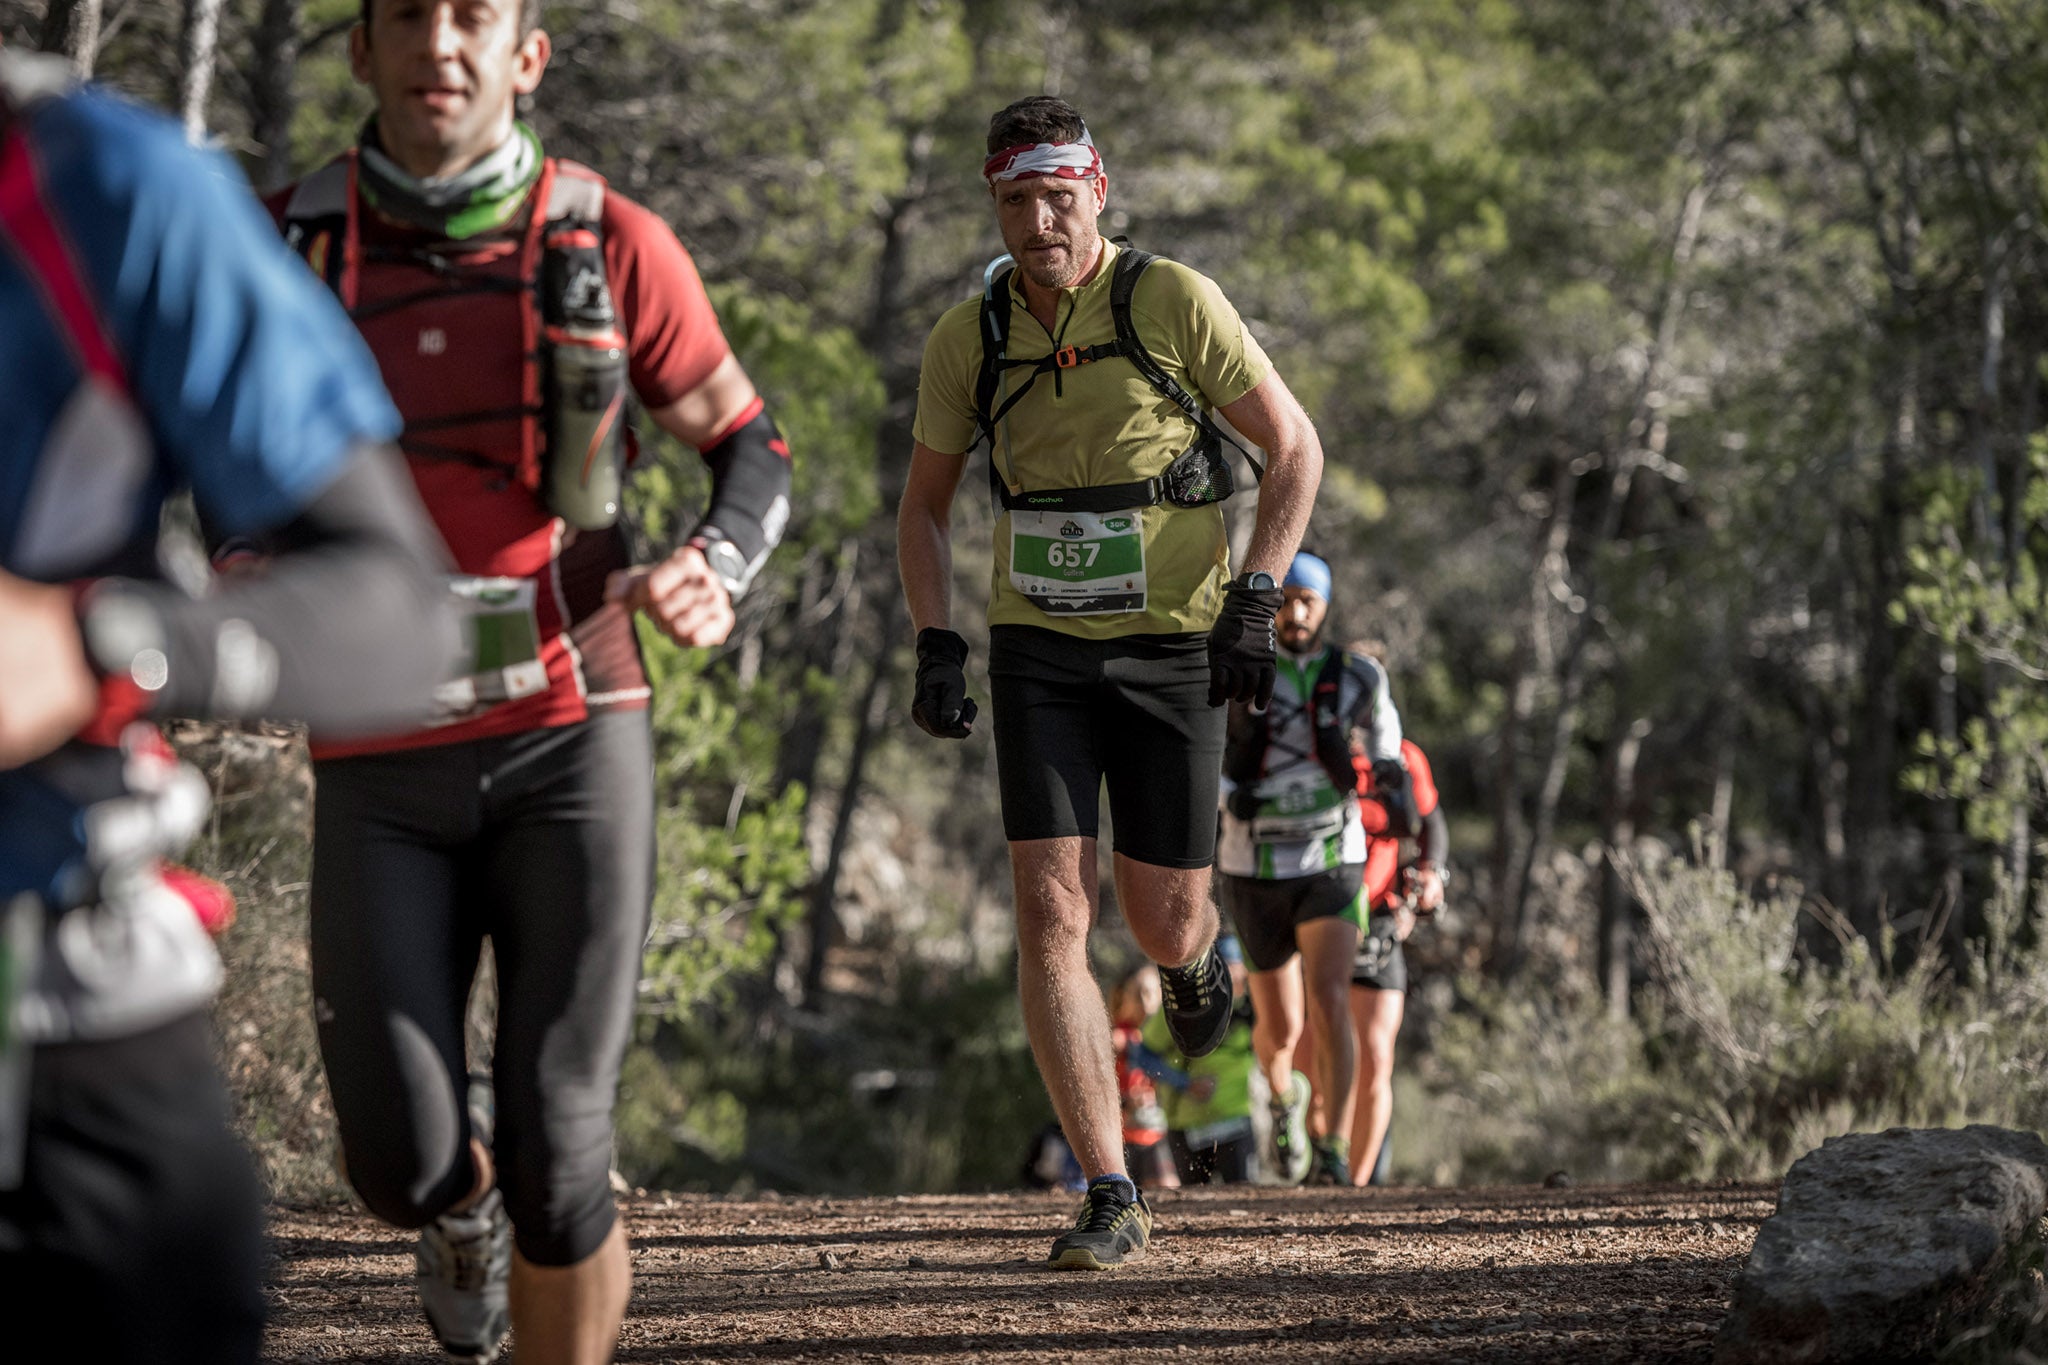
{"type": "Point", "coordinates": [1114, 1226]}
{"type": "Point", "coordinates": [1197, 1000]}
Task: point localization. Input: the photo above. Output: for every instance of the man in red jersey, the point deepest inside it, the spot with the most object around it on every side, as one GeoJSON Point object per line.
{"type": "Point", "coordinates": [512, 302]}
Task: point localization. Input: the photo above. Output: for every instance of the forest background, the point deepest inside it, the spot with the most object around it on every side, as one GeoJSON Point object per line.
{"type": "Point", "coordinates": [1679, 369]}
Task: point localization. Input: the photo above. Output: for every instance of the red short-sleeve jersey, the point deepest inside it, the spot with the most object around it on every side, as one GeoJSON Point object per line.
{"type": "Point", "coordinates": [453, 326]}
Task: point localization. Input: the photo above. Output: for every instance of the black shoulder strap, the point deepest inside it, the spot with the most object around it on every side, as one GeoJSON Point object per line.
{"type": "Point", "coordinates": [995, 336]}
{"type": "Point", "coordinates": [1246, 736]}
{"type": "Point", "coordinates": [1123, 287]}
{"type": "Point", "coordinates": [1333, 742]}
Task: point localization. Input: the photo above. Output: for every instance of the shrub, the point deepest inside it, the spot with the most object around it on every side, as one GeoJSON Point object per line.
{"type": "Point", "coordinates": [1741, 1053]}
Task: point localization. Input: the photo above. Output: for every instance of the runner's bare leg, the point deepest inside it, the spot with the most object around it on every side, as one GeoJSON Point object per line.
{"type": "Point", "coordinates": [571, 1315]}
{"type": "Point", "coordinates": [1377, 1016]}
{"type": "Point", "coordinates": [1328, 948]}
{"type": "Point", "coordinates": [1167, 908]}
{"type": "Point", "coordinates": [1276, 1023]}
{"type": "Point", "coordinates": [1064, 1014]}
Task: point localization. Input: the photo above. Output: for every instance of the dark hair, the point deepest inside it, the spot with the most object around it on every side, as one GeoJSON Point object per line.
{"type": "Point", "coordinates": [529, 14]}
{"type": "Point", "coordinates": [1033, 119]}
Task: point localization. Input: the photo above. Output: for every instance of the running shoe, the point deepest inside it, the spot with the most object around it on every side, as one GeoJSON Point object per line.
{"type": "Point", "coordinates": [1197, 1000]}
{"type": "Point", "coordinates": [463, 1263]}
{"type": "Point", "coordinates": [1113, 1228]}
{"type": "Point", "coordinates": [1331, 1165]}
{"type": "Point", "coordinates": [1291, 1152]}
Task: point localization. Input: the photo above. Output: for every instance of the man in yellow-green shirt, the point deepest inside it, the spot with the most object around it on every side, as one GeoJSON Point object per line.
{"type": "Point", "coordinates": [1117, 632]}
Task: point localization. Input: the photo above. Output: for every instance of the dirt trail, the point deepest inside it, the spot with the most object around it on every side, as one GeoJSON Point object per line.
{"type": "Point", "coordinates": [1599, 1274]}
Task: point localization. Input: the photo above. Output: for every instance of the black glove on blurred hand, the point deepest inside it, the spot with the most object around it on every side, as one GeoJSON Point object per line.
{"type": "Point", "coordinates": [941, 706]}
{"type": "Point", "coordinates": [1241, 646]}
{"type": "Point", "coordinates": [1243, 801]}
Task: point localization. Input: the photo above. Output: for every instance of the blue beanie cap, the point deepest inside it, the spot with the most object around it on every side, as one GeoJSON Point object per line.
{"type": "Point", "coordinates": [1309, 571]}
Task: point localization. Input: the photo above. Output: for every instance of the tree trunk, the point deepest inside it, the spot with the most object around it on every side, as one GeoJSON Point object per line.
{"type": "Point", "coordinates": [1721, 815]}
{"type": "Point", "coordinates": [1514, 849]}
{"type": "Point", "coordinates": [202, 49]}
{"type": "Point", "coordinates": [273, 92]}
{"type": "Point", "coordinates": [874, 716]}
{"type": "Point", "coordinates": [1618, 836]}
{"type": "Point", "coordinates": [72, 27]}
{"type": "Point", "coordinates": [1564, 732]}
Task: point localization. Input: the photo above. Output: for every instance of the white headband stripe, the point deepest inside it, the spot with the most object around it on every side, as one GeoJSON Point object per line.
{"type": "Point", "coordinates": [1070, 160]}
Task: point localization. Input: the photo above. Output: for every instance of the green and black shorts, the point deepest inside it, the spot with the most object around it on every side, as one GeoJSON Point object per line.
{"type": "Point", "coordinates": [1266, 911]}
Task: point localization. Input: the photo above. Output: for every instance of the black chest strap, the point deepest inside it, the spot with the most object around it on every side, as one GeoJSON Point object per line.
{"type": "Point", "coordinates": [1198, 477]}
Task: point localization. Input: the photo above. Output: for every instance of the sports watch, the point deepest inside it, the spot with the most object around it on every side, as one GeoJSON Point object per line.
{"type": "Point", "coordinates": [725, 560]}
{"type": "Point", "coordinates": [1258, 580]}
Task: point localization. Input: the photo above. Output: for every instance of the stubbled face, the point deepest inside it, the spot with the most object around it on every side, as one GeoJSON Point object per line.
{"type": "Point", "coordinates": [1048, 225]}
{"type": "Point", "coordinates": [1301, 618]}
{"type": "Point", "coordinates": [445, 74]}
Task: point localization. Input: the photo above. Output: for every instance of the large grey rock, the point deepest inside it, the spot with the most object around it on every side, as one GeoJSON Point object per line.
{"type": "Point", "coordinates": [1885, 1245]}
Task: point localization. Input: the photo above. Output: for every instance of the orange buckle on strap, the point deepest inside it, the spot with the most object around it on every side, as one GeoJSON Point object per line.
{"type": "Point", "coordinates": [1067, 357]}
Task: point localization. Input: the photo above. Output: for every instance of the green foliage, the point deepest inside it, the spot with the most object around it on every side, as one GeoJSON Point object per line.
{"type": "Point", "coordinates": [931, 1090]}
{"type": "Point", "coordinates": [821, 388]}
{"type": "Point", "coordinates": [732, 863]}
{"type": "Point", "coordinates": [1741, 1055]}
{"type": "Point", "coordinates": [1995, 614]}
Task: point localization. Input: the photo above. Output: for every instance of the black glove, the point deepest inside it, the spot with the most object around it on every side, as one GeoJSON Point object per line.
{"type": "Point", "coordinates": [1391, 788]}
{"type": "Point", "coordinates": [941, 706]}
{"type": "Point", "coordinates": [1241, 646]}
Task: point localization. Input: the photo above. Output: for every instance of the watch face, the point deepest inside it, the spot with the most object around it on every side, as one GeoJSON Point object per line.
{"type": "Point", "coordinates": [1258, 579]}
{"type": "Point", "coordinates": [727, 562]}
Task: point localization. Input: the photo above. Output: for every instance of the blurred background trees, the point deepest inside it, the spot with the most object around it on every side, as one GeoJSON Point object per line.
{"type": "Point", "coordinates": [1680, 370]}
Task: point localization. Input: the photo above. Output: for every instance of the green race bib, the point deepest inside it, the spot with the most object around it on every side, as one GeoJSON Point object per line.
{"type": "Point", "coordinates": [1079, 563]}
{"type": "Point", "coordinates": [502, 633]}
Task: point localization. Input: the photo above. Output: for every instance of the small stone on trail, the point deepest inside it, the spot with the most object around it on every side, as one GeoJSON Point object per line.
{"type": "Point", "coordinates": [1558, 1180]}
{"type": "Point", "coordinates": [915, 1263]}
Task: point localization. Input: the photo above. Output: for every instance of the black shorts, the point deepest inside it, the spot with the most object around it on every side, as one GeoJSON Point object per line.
{"type": "Point", "coordinates": [1265, 912]}
{"type": "Point", "coordinates": [545, 842]}
{"type": "Point", "coordinates": [137, 1233]}
{"type": "Point", "coordinates": [1134, 710]}
{"type": "Point", "coordinates": [1380, 964]}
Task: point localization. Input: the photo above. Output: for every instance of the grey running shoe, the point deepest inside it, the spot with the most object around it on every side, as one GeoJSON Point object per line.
{"type": "Point", "coordinates": [1110, 1231]}
{"type": "Point", "coordinates": [463, 1263]}
{"type": "Point", "coordinates": [1197, 1000]}
{"type": "Point", "coordinates": [1291, 1152]}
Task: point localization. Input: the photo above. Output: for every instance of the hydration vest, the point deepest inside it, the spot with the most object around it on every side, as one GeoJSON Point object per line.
{"type": "Point", "coordinates": [560, 276]}
{"type": "Point", "coordinates": [1199, 476]}
{"type": "Point", "coordinates": [1244, 754]}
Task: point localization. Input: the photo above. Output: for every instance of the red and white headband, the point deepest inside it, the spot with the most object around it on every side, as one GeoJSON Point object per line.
{"type": "Point", "coordinates": [1067, 160]}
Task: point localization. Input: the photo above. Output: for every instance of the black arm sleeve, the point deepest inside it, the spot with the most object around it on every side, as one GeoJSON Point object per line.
{"type": "Point", "coordinates": [349, 628]}
{"type": "Point", "coordinates": [749, 492]}
{"type": "Point", "coordinates": [1434, 843]}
